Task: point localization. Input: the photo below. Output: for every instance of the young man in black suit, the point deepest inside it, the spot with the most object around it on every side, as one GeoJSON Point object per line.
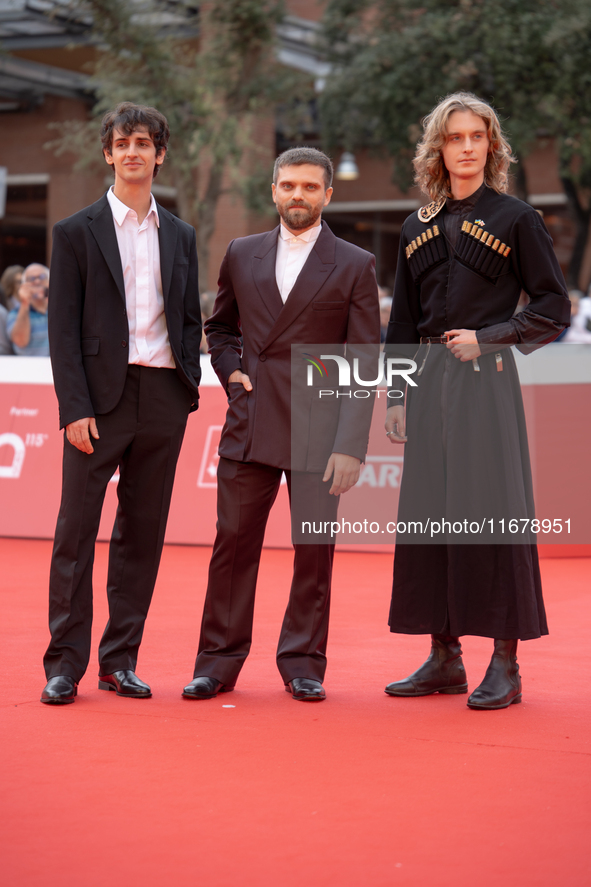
{"type": "Point", "coordinates": [124, 332]}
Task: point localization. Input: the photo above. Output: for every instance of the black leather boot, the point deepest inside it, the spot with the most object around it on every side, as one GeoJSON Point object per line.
{"type": "Point", "coordinates": [443, 672]}
{"type": "Point", "coordinates": [501, 686]}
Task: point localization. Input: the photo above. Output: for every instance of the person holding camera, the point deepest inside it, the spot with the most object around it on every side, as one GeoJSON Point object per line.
{"type": "Point", "coordinates": [27, 325]}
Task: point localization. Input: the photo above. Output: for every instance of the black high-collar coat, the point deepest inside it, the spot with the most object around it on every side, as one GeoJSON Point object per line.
{"type": "Point", "coordinates": [467, 456]}
{"type": "Point", "coordinates": [477, 285]}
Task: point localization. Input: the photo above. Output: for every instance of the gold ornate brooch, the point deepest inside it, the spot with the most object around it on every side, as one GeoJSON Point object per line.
{"type": "Point", "coordinates": [428, 212]}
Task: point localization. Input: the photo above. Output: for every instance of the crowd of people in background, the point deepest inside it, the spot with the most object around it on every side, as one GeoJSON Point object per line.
{"type": "Point", "coordinates": [9, 285]}
{"type": "Point", "coordinates": [579, 331]}
{"type": "Point", "coordinates": [23, 312]}
{"type": "Point", "coordinates": [385, 295]}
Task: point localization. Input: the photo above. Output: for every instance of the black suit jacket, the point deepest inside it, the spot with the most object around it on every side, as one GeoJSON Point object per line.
{"type": "Point", "coordinates": [334, 300]}
{"type": "Point", "coordinates": [88, 329]}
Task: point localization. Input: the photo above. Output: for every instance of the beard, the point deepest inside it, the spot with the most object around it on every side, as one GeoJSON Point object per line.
{"type": "Point", "coordinates": [301, 218]}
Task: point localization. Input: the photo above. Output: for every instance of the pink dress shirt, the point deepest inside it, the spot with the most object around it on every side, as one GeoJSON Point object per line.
{"type": "Point", "coordinates": [140, 259]}
{"type": "Point", "coordinates": [292, 252]}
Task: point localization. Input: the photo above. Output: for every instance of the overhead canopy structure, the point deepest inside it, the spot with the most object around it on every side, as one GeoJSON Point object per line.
{"type": "Point", "coordinates": [24, 83]}
{"type": "Point", "coordinates": [48, 24]}
{"type": "Point", "coordinates": [25, 24]}
{"type": "Point", "coordinates": [53, 24]}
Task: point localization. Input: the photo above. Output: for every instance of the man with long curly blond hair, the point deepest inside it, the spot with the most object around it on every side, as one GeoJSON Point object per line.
{"type": "Point", "coordinates": [464, 260]}
{"type": "Point", "coordinates": [431, 173]}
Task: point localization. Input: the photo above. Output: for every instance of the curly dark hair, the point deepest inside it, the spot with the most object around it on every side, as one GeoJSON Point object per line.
{"type": "Point", "coordinates": [128, 118]}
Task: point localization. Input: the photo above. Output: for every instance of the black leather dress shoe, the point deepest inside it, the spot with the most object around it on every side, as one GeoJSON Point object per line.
{"type": "Point", "coordinates": [125, 683]}
{"type": "Point", "coordinates": [306, 690]}
{"type": "Point", "coordinates": [205, 688]}
{"type": "Point", "coordinates": [60, 690]}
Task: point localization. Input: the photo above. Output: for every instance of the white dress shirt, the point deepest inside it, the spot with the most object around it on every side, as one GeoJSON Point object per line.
{"type": "Point", "coordinates": [140, 259]}
{"type": "Point", "coordinates": [292, 252]}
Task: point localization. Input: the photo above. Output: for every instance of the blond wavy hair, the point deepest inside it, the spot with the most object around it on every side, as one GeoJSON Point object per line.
{"type": "Point", "coordinates": [431, 176]}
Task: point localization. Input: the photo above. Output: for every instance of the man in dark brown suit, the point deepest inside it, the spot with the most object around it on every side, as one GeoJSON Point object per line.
{"type": "Point", "coordinates": [293, 285]}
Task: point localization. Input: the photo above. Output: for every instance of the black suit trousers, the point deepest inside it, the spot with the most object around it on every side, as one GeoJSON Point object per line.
{"type": "Point", "coordinates": [142, 437]}
{"type": "Point", "coordinates": [246, 493]}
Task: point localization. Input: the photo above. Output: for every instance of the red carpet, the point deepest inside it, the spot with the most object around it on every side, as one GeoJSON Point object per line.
{"type": "Point", "coordinates": [360, 790]}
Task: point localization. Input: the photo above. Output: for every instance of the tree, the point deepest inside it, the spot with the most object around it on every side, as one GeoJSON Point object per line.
{"type": "Point", "coordinates": [214, 90]}
{"type": "Point", "coordinates": [570, 109]}
{"type": "Point", "coordinates": [392, 62]}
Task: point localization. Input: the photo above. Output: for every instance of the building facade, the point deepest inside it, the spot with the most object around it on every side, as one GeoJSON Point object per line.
{"type": "Point", "coordinates": [43, 85]}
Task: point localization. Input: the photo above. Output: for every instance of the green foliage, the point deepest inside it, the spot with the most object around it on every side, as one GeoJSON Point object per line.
{"type": "Point", "coordinates": [213, 88]}
{"type": "Point", "coordinates": [394, 60]}
{"type": "Point", "coordinates": [569, 103]}
{"type": "Point", "coordinates": [531, 59]}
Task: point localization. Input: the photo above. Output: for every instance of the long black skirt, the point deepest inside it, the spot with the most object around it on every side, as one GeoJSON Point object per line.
{"type": "Point", "coordinates": [466, 466]}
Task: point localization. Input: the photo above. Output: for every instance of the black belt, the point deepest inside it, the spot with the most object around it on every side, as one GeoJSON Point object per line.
{"type": "Point", "coordinates": [435, 340]}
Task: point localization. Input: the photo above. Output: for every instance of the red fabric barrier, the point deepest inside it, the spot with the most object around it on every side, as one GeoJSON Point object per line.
{"type": "Point", "coordinates": [559, 427]}
{"type": "Point", "coordinates": [30, 471]}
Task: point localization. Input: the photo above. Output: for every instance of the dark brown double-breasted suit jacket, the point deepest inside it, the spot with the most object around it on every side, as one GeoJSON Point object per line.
{"type": "Point", "coordinates": [334, 301]}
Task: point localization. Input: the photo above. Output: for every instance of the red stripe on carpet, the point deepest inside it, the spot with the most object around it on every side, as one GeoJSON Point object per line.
{"type": "Point", "coordinates": [361, 789]}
